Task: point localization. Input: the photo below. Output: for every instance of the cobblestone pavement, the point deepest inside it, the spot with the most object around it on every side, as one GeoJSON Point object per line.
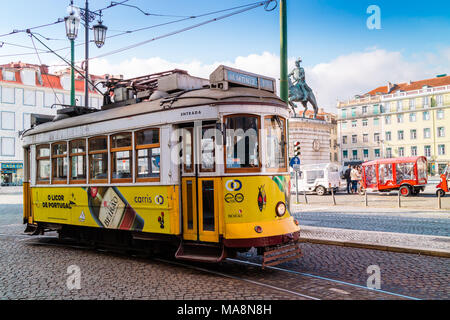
{"type": "Point", "coordinates": [34, 268]}
{"type": "Point", "coordinates": [375, 222]}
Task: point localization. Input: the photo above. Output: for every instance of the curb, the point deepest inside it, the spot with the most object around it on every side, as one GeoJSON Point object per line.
{"type": "Point", "coordinates": [427, 252]}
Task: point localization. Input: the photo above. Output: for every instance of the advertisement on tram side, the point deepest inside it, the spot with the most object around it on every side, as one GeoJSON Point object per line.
{"type": "Point", "coordinates": [146, 209]}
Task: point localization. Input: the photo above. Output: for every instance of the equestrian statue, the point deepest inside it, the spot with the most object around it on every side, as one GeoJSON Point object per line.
{"type": "Point", "coordinates": [299, 91]}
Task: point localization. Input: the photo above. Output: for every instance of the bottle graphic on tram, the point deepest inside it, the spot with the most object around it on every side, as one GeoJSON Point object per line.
{"type": "Point", "coordinates": [111, 210]}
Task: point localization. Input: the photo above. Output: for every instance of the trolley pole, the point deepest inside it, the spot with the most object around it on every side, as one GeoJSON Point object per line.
{"type": "Point", "coordinates": [284, 90]}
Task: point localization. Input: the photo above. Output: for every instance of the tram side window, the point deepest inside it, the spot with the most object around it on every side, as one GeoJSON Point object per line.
{"type": "Point", "coordinates": [77, 154]}
{"type": "Point", "coordinates": [208, 149]}
{"type": "Point", "coordinates": [59, 162]}
{"type": "Point", "coordinates": [275, 131]}
{"type": "Point", "coordinates": [242, 142]}
{"type": "Point", "coordinates": [98, 159]}
{"type": "Point", "coordinates": [148, 154]}
{"type": "Point", "coordinates": [43, 163]}
{"type": "Point", "coordinates": [121, 159]}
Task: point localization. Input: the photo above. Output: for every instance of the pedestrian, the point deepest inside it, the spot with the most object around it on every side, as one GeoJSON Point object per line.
{"type": "Point", "coordinates": [354, 175]}
{"type": "Point", "coordinates": [347, 178]}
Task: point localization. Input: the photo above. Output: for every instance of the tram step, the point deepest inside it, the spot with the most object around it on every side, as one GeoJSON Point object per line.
{"type": "Point", "coordinates": [200, 252]}
{"type": "Point", "coordinates": [280, 254]}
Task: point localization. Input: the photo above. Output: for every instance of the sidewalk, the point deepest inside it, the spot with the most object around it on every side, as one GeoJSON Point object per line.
{"type": "Point", "coordinates": [386, 241]}
{"type": "Point", "coordinates": [10, 190]}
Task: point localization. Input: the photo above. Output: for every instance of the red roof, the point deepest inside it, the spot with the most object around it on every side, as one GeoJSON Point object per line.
{"type": "Point", "coordinates": [413, 85]}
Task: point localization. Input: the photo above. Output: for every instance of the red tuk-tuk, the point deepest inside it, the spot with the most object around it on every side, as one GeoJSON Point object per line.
{"type": "Point", "coordinates": [442, 187]}
{"type": "Point", "coordinates": [406, 174]}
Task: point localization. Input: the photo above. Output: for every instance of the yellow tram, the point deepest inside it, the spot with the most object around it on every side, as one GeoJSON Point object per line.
{"type": "Point", "coordinates": [170, 162]}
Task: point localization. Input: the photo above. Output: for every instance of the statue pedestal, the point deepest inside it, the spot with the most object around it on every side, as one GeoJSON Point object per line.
{"type": "Point", "coordinates": [315, 137]}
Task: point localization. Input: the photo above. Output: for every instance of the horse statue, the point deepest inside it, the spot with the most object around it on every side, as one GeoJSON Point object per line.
{"type": "Point", "coordinates": [300, 91]}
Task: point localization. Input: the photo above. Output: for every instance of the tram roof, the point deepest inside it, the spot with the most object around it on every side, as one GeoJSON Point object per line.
{"type": "Point", "coordinates": [197, 97]}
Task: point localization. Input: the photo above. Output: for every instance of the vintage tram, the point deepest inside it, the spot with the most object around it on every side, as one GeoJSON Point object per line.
{"type": "Point", "coordinates": [171, 162]}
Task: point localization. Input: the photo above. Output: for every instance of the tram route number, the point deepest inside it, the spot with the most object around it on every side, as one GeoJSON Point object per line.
{"type": "Point", "coordinates": [226, 309]}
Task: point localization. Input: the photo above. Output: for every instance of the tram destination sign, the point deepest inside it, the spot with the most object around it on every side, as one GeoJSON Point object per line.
{"type": "Point", "coordinates": [243, 78]}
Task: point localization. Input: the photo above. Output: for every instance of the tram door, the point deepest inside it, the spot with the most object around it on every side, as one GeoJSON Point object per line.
{"type": "Point", "coordinates": [199, 186]}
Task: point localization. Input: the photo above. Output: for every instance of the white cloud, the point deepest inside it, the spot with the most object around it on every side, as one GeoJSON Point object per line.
{"type": "Point", "coordinates": [338, 79]}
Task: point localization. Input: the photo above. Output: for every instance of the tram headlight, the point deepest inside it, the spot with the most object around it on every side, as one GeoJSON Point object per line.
{"type": "Point", "coordinates": [280, 209]}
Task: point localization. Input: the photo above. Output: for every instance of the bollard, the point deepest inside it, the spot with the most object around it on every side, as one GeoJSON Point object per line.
{"type": "Point", "coordinates": [304, 194]}
{"type": "Point", "coordinates": [365, 198]}
{"type": "Point", "coordinates": [332, 195]}
{"type": "Point", "coordinates": [439, 200]}
{"type": "Point", "coordinates": [399, 201]}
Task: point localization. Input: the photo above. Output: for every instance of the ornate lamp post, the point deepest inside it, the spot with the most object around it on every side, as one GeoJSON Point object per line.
{"type": "Point", "coordinates": [72, 23]}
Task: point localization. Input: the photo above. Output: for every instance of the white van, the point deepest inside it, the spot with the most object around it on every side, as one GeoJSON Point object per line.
{"type": "Point", "coordinates": [319, 178]}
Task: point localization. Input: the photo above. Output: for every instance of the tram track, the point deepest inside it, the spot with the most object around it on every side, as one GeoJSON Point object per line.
{"type": "Point", "coordinates": [229, 275]}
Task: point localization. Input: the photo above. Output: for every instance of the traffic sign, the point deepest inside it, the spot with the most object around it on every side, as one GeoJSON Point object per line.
{"type": "Point", "coordinates": [295, 163]}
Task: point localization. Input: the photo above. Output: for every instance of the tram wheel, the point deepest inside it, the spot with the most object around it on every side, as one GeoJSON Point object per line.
{"type": "Point", "coordinates": [440, 193]}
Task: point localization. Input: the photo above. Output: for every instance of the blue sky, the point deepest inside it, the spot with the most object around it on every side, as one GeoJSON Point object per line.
{"type": "Point", "coordinates": [326, 34]}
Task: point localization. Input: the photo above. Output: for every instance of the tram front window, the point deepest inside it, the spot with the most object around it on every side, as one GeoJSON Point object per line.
{"type": "Point", "coordinates": [242, 146]}
{"type": "Point", "coordinates": [275, 130]}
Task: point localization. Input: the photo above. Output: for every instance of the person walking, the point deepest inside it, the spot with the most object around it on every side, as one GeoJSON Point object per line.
{"type": "Point", "coordinates": [354, 175]}
{"type": "Point", "coordinates": [348, 179]}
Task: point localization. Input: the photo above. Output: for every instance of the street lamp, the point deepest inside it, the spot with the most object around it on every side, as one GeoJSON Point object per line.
{"type": "Point", "coordinates": [99, 33]}
{"type": "Point", "coordinates": [72, 22]}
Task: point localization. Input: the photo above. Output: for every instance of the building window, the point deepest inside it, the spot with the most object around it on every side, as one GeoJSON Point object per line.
{"type": "Point", "coordinates": [400, 135]}
{"type": "Point", "coordinates": [412, 104]}
{"type": "Point", "coordinates": [413, 134]}
{"type": "Point", "coordinates": [439, 100]}
{"type": "Point", "coordinates": [77, 155]}
{"type": "Point", "coordinates": [376, 109]}
{"type": "Point", "coordinates": [441, 132]}
{"type": "Point", "coordinates": [401, 151]}
{"type": "Point", "coordinates": [121, 158]}
{"type": "Point", "coordinates": [377, 153]}
{"type": "Point", "coordinates": [344, 113]}
{"type": "Point", "coordinates": [427, 133]}
{"type": "Point", "coordinates": [400, 118]}
{"type": "Point", "coordinates": [8, 120]}
{"type": "Point", "coordinates": [388, 136]}
{"type": "Point", "coordinates": [8, 95]}
{"type": "Point", "coordinates": [8, 75]}
{"type": "Point", "coordinates": [427, 151]}
{"type": "Point", "coordinates": [344, 125]}
{"type": "Point", "coordinates": [364, 109]}
{"type": "Point", "coordinates": [387, 119]}
{"type": "Point", "coordinates": [354, 154]}
{"type": "Point", "coordinates": [148, 155]}
{"type": "Point", "coordinates": [365, 137]}
{"type": "Point", "coordinates": [441, 149]}
{"type": "Point", "coordinates": [426, 115]}
{"type": "Point", "coordinates": [412, 117]}
{"type": "Point", "coordinates": [8, 147]}
{"type": "Point", "coordinates": [98, 160]}
{"type": "Point", "coordinates": [59, 162]}
{"type": "Point", "coordinates": [366, 153]}
{"type": "Point", "coordinates": [440, 114]}
{"type": "Point", "coordinates": [345, 154]}
{"type": "Point", "coordinates": [43, 163]}
{"type": "Point", "coordinates": [354, 138]}
{"type": "Point", "coordinates": [364, 122]}
{"type": "Point", "coordinates": [425, 102]}
{"type": "Point", "coordinates": [376, 121]}
{"type": "Point", "coordinates": [29, 97]}
{"type": "Point", "coordinates": [353, 112]}
{"type": "Point", "coordinates": [389, 152]}
{"type": "Point", "coordinates": [354, 123]}
{"type": "Point", "coordinates": [376, 137]}
{"type": "Point", "coordinates": [413, 151]}
{"type": "Point", "coordinates": [399, 106]}
{"type": "Point", "coordinates": [344, 139]}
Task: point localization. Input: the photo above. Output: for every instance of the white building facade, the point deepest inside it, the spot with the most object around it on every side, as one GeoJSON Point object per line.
{"type": "Point", "coordinates": [25, 90]}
